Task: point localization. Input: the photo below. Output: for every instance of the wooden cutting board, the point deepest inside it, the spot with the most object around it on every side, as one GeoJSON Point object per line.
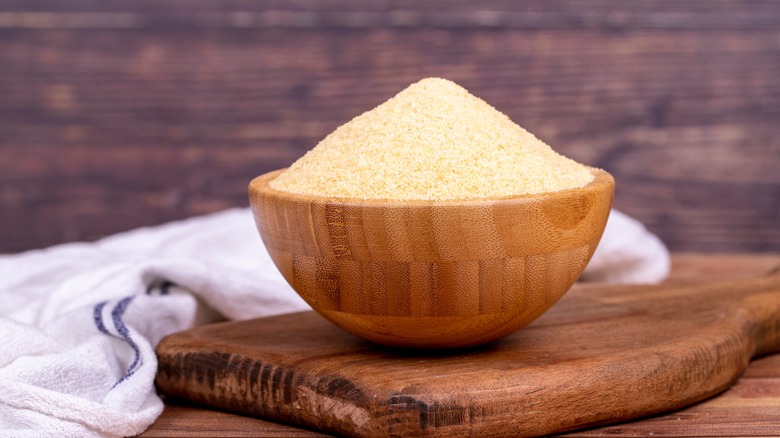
{"type": "Point", "coordinates": [601, 355]}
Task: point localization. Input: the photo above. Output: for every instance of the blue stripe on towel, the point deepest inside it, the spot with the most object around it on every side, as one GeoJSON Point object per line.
{"type": "Point", "coordinates": [121, 328]}
{"type": "Point", "coordinates": [124, 333]}
{"type": "Point", "coordinates": [163, 288]}
{"type": "Point", "coordinates": [97, 316]}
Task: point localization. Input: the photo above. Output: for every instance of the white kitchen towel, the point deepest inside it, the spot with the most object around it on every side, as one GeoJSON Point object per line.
{"type": "Point", "coordinates": [79, 322]}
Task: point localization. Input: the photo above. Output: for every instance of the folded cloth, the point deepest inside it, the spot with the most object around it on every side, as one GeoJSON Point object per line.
{"type": "Point", "coordinates": [79, 322]}
{"type": "Point", "coordinates": [628, 253]}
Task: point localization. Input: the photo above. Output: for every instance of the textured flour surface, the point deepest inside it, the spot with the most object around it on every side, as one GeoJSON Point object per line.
{"type": "Point", "coordinates": [435, 141]}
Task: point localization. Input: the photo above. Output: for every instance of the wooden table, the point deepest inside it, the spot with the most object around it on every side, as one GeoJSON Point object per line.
{"type": "Point", "coordinates": [750, 408]}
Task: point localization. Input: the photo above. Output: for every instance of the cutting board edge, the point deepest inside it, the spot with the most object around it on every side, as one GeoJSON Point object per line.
{"type": "Point", "coordinates": [320, 401]}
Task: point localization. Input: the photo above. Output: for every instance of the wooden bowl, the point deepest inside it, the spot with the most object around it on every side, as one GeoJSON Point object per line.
{"type": "Point", "coordinates": [432, 274]}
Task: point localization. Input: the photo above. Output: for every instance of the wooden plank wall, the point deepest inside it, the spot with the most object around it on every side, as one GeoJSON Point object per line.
{"type": "Point", "coordinates": [118, 114]}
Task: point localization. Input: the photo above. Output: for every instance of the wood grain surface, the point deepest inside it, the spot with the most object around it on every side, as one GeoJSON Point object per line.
{"type": "Point", "coordinates": [126, 113]}
{"type": "Point", "coordinates": [432, 274]}
{"type": "Point", "coordinates": [602, 355]}
{"type": "Point", "coordinates": [747, 409]}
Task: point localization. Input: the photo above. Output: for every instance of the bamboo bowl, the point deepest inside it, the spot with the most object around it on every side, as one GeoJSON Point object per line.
{"type": "Point", "coordinates": [432, 274]}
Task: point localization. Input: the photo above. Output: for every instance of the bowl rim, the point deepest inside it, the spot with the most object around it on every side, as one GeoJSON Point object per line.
{"type": "Point", "coordinates": [602, 180]}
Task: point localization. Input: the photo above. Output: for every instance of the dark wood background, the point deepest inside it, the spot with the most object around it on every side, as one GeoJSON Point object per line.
{"type": "Point", "coordinates": [118, 114]}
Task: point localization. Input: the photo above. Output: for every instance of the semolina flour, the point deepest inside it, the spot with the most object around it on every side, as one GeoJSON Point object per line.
{"type": "Point", "coordinates": [432, 141]}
